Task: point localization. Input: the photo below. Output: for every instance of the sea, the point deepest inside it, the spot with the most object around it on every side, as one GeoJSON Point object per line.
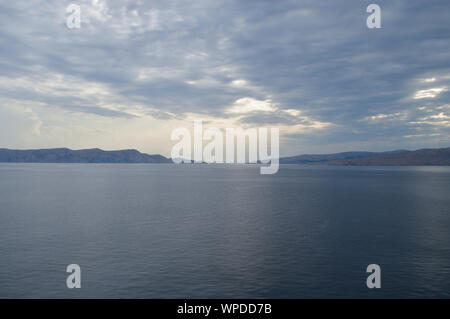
{"type": "Point", "coordinates": [223, 231]}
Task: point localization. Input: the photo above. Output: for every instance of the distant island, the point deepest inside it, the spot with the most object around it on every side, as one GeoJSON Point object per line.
{"type": "Point", "coordinates": [437, 156]}
{"type": "Point", "coordinates": [65, 155]}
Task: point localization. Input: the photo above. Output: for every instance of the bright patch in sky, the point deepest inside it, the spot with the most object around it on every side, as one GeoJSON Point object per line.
{"type": "Point", "coordinates": [429, 93]}
{"type": "Point", "coordinates": [249, 105]}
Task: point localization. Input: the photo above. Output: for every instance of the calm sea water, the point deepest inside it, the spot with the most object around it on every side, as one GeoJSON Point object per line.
{"type": "Point", "coordinates": [167, 231]}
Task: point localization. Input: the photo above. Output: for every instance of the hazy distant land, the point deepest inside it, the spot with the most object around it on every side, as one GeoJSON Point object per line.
{"type": "Point", "coordinates": [438, 156]}
{"type": "Point", "coordinates": [65, 155]}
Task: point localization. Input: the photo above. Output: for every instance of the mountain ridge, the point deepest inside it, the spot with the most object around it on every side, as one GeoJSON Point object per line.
{"type": "Point", "coordinates": [430, 156]}
{"type": "Point", "coordinates": [66, 155]}
{"type": "Point", "coordinates": [422, 157]}
{"type": "Point", "coordinates": [322, 158]}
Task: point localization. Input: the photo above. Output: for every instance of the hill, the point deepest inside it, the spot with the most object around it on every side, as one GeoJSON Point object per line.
{"type": "Point", "coordinates": [65, 155]}
{"type": "Point", "coordinates": [438, 156]}
{"type": "Point", "coordinates": [325, 158]}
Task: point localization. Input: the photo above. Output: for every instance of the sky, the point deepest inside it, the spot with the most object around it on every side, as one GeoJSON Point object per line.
{"type": "Point", "coordinates": [136, 70]}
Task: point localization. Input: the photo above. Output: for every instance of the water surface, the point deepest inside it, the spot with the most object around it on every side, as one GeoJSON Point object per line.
{"type": "Point", "coordinates": [209, 231]}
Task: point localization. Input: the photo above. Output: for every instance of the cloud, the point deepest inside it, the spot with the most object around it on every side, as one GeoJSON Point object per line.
{"type": "Point", "coordinates": [429, 80]}
{"type": "Point", "coordinates": [383, 117]}
{"type": "Point", "coordinates": [421, 135]}
{"type": "Point", "coordinates": [439, 116]}
{"type": "Point", "coordinates": [249, 105]}
{"type": "Point", "coordinates": [429, 93]}
{"type": "Point", "coordinates": [440, 119]}
{"type": "Point", "coordinates": [311, 67]}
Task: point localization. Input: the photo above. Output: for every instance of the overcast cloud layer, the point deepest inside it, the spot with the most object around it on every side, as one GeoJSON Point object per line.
{"type": "Point", "coordinates": [137, 69]}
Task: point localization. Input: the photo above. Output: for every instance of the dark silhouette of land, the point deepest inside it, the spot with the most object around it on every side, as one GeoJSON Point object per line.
{"type": "Point", "coordinates": [326, 158]}
{"type": "Point", "coordinates": [438, 156]}
{"type": "Point", "coordinates": [65, 155]}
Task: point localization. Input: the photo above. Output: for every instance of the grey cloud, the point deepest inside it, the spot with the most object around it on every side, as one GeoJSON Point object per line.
{"type": "Point", "coordinates": [314, 56]}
